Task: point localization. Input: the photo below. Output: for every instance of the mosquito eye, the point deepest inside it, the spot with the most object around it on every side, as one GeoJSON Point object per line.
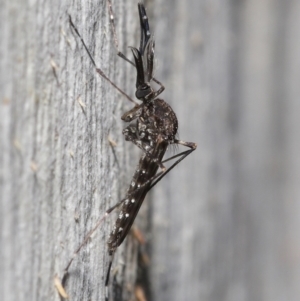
{"type": "Point", "coordinates": [143, 91]}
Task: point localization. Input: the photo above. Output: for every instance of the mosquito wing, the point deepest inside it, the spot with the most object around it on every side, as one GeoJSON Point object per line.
{"type": "Point", "coordinates": [135, 196]}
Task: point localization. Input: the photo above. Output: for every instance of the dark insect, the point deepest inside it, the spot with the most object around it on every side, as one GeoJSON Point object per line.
{"type": "Point", "coordinates": [153, 127]}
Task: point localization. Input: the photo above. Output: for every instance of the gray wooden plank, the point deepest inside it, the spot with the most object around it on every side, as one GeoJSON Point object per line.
{"type": "Point", "coordinates": [59, 172]}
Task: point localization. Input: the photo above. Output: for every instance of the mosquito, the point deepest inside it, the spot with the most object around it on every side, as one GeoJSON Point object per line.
{"type": "Point", "coordinates": [152, 127]}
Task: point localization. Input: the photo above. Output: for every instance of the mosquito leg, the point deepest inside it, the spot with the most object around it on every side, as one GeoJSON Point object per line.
{"type": "Point", "coordinates": [191, 145]}
{"type": "Point", "coordinates": [80, 246]}
{"type": "Point", "coordinates": [87, 238]}
{"type": "Point", "coordinates": [114, 85]}
{"type": "Point", "coordinates": [111, 209]}
{"type": "Point", "coordinates": [99, 71]}
{"type": "Point", "coordinates": [161, 89]}
{"type": "Point", "coordinates": [132, 114]}
{"type": "Point", "coordinates": [182, 156]}
{"type": "Point", "coordinates": [113, 27]}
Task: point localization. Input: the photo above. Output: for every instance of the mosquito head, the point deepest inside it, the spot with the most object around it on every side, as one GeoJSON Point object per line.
{"type": "Point", "coordinates": [144, 92]}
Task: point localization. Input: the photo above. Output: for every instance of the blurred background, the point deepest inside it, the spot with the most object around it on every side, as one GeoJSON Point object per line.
{"type": "Point", "coordinates": [228, 228]}
{"type": "Point", "coordinates": [224, 224]}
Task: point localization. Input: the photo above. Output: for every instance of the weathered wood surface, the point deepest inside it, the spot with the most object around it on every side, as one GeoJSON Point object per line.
{"type": "Point", "coordinates": [59, 172]}
{"type": "Point", "coordinates": [225, 221]}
